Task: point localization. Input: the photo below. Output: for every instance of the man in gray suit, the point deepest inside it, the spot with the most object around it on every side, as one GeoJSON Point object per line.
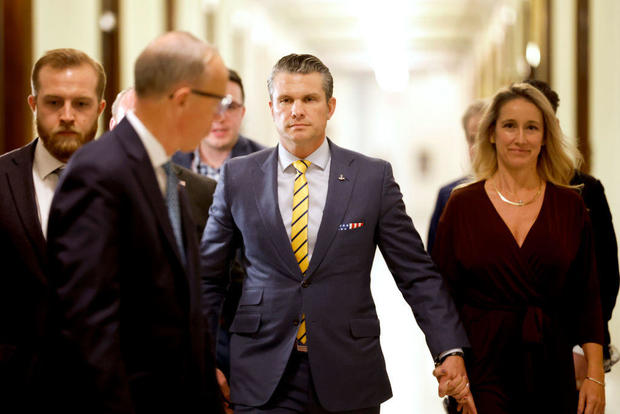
{"type": "Point", "coordinates": [310, 215]}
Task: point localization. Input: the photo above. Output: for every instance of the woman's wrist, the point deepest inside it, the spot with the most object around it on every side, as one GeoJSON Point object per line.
{"type": "Point", "coordinates": [594, 380]}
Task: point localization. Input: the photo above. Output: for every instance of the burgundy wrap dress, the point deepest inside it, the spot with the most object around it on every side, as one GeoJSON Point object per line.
{"type": "Point", "coordinates": [523, 307]}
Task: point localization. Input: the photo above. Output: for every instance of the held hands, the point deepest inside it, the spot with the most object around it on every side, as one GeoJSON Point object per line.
{"type": "Point", "coordinates": [221, 380]}
{"type": "Point", "coordinates": [452, 378]}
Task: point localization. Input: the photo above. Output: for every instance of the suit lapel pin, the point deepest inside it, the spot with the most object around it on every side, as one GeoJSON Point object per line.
{"type": "Point", "coordinates": [341, 177]}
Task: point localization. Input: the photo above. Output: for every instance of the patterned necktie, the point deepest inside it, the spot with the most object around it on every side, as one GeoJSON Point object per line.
{"type": "Point", "coordinates": [172, 201]}
{"type": "Point", "coordinates": [299, 230]}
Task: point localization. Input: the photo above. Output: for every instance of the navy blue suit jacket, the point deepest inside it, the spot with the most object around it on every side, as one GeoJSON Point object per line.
{"type": "Point", "coordinates": [25, 297]}
{"type": "Point", "coordinates": [345, 356]}
{"type": "Point", "coordinates": [440, 204]}
{"type": "Point", "coordinates": [244, 146]}
{"type": "Point", "coordinates": [130, 309]}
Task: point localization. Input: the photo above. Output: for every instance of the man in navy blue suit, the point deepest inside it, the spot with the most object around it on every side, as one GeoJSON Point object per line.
{"type": "Point", "coordinates": [305, 337]}
{"type": "Point", "coordinates": [123, 250]}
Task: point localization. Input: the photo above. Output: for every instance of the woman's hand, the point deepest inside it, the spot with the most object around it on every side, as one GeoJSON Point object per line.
{"type": "Point", "coordinates": [592, 392]}
{"type": "Point", "coordinates": [453, 381]}
{"type": "Point", "coordinates": [591, 398]}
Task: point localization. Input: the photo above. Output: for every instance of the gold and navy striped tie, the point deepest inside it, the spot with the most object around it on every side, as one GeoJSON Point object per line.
{"type": "Point", "coordinates": [299, 229]}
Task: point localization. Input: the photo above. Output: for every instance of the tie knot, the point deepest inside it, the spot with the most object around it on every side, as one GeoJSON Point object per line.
{"type": "Point", "coordinates": [301, 166]}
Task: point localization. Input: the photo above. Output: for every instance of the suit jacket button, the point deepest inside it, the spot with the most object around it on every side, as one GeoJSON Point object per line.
{"type": "Point", "coordinates": [305, 284]}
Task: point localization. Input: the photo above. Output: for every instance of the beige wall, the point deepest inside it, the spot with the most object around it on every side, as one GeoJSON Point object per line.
{"type": "Point", "coordinates": [56, 26]}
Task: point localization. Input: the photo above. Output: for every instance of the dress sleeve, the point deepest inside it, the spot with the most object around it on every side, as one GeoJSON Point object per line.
{"type": "Point", "coordinates": [586, 294]}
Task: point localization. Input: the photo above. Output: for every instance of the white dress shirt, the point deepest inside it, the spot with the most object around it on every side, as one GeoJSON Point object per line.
{"type": "Point", "coordinates": [317, 176]}
{"type": "Point", "coordinates": [45, 178]}
{"type": "Point", "coordinates": [153, 148]}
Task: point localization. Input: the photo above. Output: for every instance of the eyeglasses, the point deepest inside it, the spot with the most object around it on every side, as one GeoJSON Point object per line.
{"type": "Point", "coordinates": [225, 101]}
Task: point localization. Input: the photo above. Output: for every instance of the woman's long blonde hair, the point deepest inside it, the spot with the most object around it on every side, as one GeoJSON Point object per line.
{"type": "Point", "coordinates": [558, 158]}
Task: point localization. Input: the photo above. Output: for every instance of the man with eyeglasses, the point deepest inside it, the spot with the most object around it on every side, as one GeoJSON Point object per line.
{"type": "Point", "coordinates": [224, 140]}
{"type": "Point", "coordinates": [123, 248]}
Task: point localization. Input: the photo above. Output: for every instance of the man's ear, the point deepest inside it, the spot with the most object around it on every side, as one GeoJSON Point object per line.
{"type": "Point", "coordinates": [101, 107]}
{"type": "Point", "coordinates": [32, 102]}
{"type": "Point", "coordinates": [179, 97]}
{"type": "Point", "coordinates": [331, 105]}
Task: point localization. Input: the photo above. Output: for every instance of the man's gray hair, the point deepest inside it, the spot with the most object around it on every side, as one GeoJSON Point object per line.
{"type": "Point", "coordinates": [117, 102]}
{"type": "Point", "coordinates": [171, 60]}
{"type": "Point", "coordinates": [304, 64]}
{"type": "Point", "coordinates": [477, 107]}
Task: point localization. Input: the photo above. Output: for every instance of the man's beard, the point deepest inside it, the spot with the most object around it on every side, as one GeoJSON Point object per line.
{"type": "Point", "coordinates": [62, 146]}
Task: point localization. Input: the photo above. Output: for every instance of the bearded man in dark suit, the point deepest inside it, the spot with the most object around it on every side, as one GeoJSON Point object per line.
{"type": "Point", "coordinates": [66, 100]}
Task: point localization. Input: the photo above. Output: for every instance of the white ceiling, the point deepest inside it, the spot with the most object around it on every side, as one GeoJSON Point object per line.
{"type": "Point", "coordinates": [427, 34]}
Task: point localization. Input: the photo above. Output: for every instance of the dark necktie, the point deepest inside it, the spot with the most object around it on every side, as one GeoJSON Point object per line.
{"type": "Point", "coordinates": [172, 201]}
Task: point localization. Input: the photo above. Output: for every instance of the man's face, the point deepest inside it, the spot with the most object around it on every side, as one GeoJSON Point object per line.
{"type": "Point", "coordinates": [472, 130]}
{"type": "Point", "coordinates": [225, 128]}
{"type": "Point", "coordinates": [300, 111]}
{"type": "Point", "coordinates": [66, 108]}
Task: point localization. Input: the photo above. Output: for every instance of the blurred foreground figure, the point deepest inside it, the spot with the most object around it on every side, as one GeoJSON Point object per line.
{"type": "Point", "coordinates": [123, 248]}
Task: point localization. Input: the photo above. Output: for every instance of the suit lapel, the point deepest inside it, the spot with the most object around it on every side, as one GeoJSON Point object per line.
{"type": "Point", "coordinates": [336, 204]}
{"type": "Point", "coordinates": [22, 190]}
{"type": "Point", "coordinates": [143, 169]}
{"type": "Point", "coordinates": [266, 191]}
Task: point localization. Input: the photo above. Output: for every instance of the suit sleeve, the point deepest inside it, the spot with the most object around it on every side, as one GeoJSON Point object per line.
{"type": "Point", "coordinates": [217, 249]}
{"type": "Point", "coordinates": [432, 229]}
{"type": "Point", "coordinates": [415, 273]}
{"type": "Point", "coordinates": [83, 250]}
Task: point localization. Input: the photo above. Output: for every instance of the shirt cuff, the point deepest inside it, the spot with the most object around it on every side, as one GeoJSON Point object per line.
{"type": "Point", "coordinates": [449, 351]}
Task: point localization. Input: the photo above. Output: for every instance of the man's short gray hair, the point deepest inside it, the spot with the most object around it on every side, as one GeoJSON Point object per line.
{"type": "Point", "coordinates": [172, 59]}
{"type": "Point", "coordinates": [117, 102]}
{"type": "Point", "coordinates": [304, 64]}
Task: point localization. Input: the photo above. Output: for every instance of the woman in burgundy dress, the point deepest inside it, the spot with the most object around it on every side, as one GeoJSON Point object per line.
{"type": "Point", "coordinates": [515, 248]}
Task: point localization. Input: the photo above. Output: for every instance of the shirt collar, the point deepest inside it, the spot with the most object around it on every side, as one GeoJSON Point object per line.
{"type": "Point", "coordinates": [319, 158]}
{"type": "Point", "coordinates": [44, 163]}
{"type": "Point", "coordinates": [153, 147]}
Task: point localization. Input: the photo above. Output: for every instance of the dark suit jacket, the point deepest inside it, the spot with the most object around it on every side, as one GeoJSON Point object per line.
{"type": "Point", "coordinates": [24, 293]}
{"type": "Point", "coordinates": [440, 204]}
{"type": "Point", "coordinates": [244, 146]}
{"type": "Point", "coordinates": [605, 244]}
{"type": "Point", "coordinates": [345, 356]}
{"type": "Point", "coordinates": [130, 309]}
{"type": "Point", "coordinates": [200, 191]}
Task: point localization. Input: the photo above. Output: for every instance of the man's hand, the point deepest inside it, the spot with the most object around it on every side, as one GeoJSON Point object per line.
{"type": "Point", "coordinates": [221, 380]}
{"type": "Point", "coordinates": [453, 381]}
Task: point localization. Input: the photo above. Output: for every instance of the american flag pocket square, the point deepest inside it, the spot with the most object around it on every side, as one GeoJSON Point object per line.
{"type": "Point", "coordinates": [351, 226]}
